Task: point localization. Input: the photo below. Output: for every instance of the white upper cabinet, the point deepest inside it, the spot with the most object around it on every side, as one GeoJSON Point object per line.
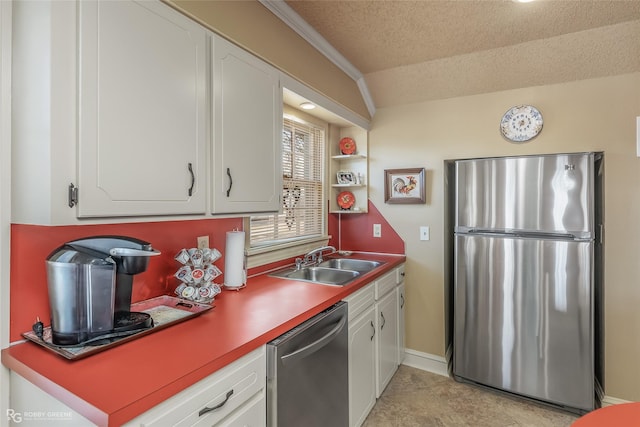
{"type": "Point", "coordinates": [247, 130]}
{"type": "Point", "coordinates": [142, 110]}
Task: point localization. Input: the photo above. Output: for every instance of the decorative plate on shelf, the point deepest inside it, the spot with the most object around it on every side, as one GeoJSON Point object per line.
{"type": "Point", "coordinates": [347, 145]}
{"type": "Point", "coordinates": [346, 200]}
{"type": "Point", "coordinates": [521, 123]}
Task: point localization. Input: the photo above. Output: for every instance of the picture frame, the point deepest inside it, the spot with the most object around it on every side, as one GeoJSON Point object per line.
{"type": "Point", "coordinates": [404, 186]}
{"type": "Point", "coordinates": [346, 178]}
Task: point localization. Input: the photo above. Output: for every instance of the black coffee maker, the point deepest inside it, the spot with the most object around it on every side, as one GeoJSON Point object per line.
{"type": "Point", "coordinates": [90, 282]}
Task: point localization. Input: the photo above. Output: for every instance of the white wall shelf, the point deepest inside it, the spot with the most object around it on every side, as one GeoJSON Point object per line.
{"type": "Point", "coordinates": [355, 163]}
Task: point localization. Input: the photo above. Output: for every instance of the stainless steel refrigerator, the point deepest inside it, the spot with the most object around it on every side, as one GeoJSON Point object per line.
{"type": "Point", "coordinates": [527, 276]}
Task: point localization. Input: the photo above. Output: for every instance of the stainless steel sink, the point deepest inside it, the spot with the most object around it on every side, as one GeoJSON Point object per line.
{"type": "Point", "coordinates": [360, 265]}
{"type": "Point", "coordinates": [325, 276]}
{"type": "Point", "coordinates": [333, 271]}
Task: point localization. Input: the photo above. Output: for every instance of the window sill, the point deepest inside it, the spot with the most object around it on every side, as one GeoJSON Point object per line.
{"type": "Point", "coordinates": [259, 256]}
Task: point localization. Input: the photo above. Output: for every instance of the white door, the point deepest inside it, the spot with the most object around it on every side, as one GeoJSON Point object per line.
{"type": "Point", "coordinates": [247, 132]}
{"type": "Point", "coordinates": [362, 378]}
{"type": "Point", "coordinates": [142, 110]}
{"type": "Point", "coordinates": [387, 328]}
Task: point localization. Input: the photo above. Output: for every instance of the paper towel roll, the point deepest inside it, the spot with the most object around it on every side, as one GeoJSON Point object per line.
{"type": "Point", "coordinates": [234, 274]}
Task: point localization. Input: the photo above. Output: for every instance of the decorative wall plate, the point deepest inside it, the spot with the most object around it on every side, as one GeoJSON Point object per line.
{"type": "Point", "coordinates": [521, 123]}
{"type": "Point", "coordinates": [347, 145]}
{"type": "Point", "coordinates": [346, 200]}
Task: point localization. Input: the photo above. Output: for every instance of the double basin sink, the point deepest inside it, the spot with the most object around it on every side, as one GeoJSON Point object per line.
{"type": "Point", "coordinates": [334, 271]}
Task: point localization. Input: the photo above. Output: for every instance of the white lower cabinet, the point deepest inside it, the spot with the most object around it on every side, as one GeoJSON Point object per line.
{"type": "Point", "coordinates": [234, 395]}
{"type": "Point", "coordinates": [362, 359]}
{"type": "Point", "coordinates": [387, 337]}
{"type": "Point", "coordinates": [401, 306]}
{"type": "Point", "coordinates": [376, 340]}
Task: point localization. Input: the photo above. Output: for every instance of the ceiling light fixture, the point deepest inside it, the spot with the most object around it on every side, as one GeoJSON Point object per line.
{"type": "Point", "coordinates": [522, 1]}
{"type": "Point", "coordinates": [307, 106]}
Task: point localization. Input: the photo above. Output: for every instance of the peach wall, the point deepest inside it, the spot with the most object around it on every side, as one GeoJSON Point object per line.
{"type": "Point", "coordinates": [31, 244]}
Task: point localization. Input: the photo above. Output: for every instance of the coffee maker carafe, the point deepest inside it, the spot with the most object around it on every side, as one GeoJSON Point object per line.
{"type": "Point", "coordinates": [90, 282]}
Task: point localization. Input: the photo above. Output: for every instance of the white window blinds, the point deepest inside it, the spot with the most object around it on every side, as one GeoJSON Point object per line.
{"type": "Point", "coordinates": [302, 196]}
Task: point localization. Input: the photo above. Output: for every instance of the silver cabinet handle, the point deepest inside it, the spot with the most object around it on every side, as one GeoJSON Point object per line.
{"type": "Point", "coordinates": [218, 406]}
{"type": "Point", "coordinates": [402, 300]}
{"type": "Point", "coordinates": [383, 320]}
{"type": "Point", "coordinates": [374, 330]}
{"type": "Point", "coordinates": [72, 195]}
{"type": "Point", "coordinates": [230, 181]}
{"type": "Point", "coordinates": [193, 178]}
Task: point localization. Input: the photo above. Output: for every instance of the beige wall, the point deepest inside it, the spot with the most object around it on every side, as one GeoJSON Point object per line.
{"type": "Point", "coordinates": [255, 28]}
{"type": "Point", "coordinates": [589, 115]}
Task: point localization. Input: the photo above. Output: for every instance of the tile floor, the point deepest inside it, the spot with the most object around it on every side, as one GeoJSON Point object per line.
{"type": "Point", "coordinates": [416, 398]}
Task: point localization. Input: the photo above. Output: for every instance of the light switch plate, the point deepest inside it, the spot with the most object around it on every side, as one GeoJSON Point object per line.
{"type": "Point", "coordinates": [424, 233]}
{"type": "Point", "coordinates": [377, 230]}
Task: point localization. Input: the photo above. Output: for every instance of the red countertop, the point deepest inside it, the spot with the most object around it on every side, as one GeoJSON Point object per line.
{"type": "Point", "coordinates": [114, 386]}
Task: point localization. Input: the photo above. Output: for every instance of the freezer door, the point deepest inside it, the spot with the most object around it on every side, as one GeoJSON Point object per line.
{"type": "Point", "coordinates": [523, 317]}
{"type": "Point", "coordinates": [552, 193]}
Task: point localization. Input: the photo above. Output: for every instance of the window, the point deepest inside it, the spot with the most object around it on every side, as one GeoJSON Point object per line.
{"type": "Point", "coordinates": [303, 206]}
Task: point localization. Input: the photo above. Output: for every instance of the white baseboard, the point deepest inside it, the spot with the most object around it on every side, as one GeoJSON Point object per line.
{"type": "Point", "coordinates": [608, 401]}
{"type": "Point", "coordinates": [438, 365]}
{"type": "Point", "coordinates": [426, 362]}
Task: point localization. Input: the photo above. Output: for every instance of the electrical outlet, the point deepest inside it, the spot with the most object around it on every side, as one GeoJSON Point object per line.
{"type": "Point", "coordinates": [377, 230]}
{"type": "Point", "coordinates": [203, 242]}
{"type": "Point", "coordinates": [424, 233]}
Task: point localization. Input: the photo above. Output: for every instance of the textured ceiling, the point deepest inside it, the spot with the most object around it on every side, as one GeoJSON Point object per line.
{"type": "Point", "coordinates": [410, 51]}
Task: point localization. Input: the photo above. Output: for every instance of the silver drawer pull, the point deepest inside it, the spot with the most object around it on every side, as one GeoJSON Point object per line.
{"type": "Point", "coordinates": [218, 406]}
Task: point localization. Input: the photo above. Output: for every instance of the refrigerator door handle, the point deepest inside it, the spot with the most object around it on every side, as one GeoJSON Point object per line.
{"type": "Point", "coordinates": [522, 234]}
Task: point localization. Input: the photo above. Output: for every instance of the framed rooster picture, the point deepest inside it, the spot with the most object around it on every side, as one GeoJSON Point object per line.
{"type": "Point", "coordinates": [404, 186]}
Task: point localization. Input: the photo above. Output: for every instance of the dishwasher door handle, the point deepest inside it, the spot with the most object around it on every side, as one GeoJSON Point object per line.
{"type": "Point", "coordinates": [314, 346]}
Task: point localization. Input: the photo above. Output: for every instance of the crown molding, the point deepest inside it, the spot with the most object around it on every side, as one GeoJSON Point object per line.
{"type": "Point", "coordinates": [307, 32]}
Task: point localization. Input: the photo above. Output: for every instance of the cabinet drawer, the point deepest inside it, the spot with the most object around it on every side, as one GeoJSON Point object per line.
{"type": "Point", "coordinates": [234, 384]}
{"type": "Point", "coordinates": [360, 301]}
{"type": "Point", "coordinates": [386, 283]}
{"type": "Point", "coordinates": [251, 414]}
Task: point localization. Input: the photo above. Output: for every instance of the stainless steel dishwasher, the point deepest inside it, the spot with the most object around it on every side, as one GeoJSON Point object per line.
{"type": "Point", "coordinates": [308, 373]}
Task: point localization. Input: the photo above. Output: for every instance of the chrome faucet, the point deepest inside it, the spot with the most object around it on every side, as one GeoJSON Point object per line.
{"type": "Point", "coordinates": [315, 256]}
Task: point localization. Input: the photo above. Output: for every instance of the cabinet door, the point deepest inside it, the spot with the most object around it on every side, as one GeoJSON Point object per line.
{"type": "Point", "coordinates": [387, 350]}
{"type": "Point", "coordinates": [247, 130]}
{"type": "Point", "coordinates": [362, 384]}
{"type": "Point", "coordinates": [401, 306]}
{"type": "Point", "coordinates": [142, 110]}
{"type": "Point", "coordinates": [252, 414]}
